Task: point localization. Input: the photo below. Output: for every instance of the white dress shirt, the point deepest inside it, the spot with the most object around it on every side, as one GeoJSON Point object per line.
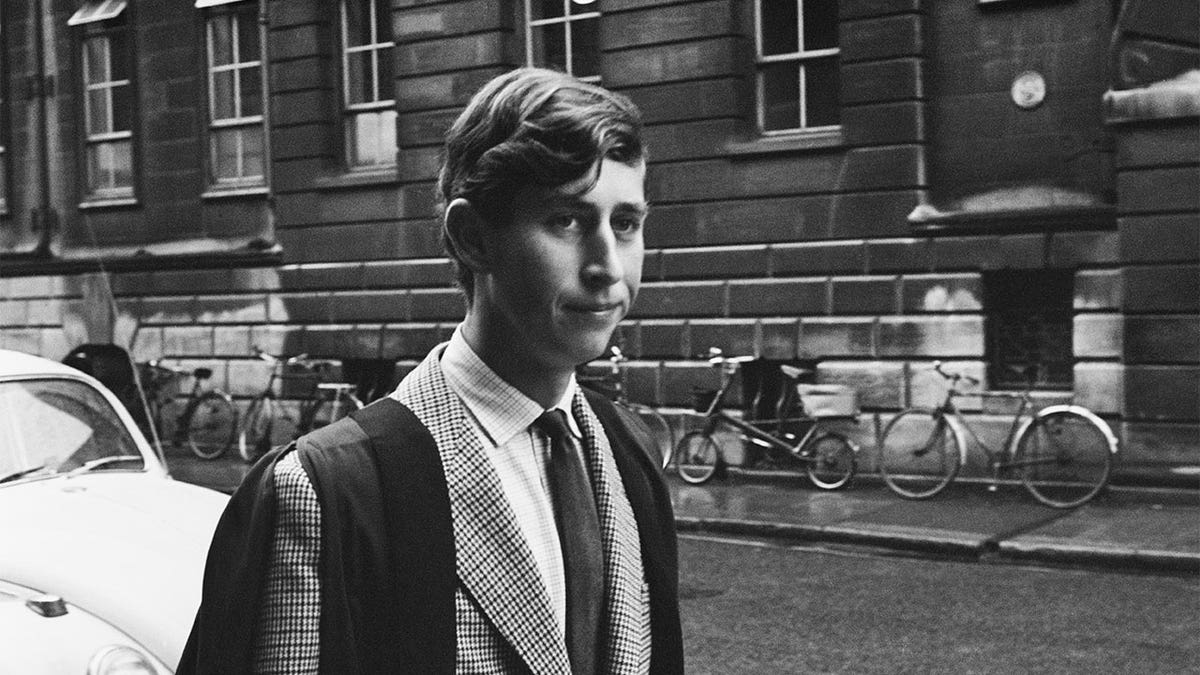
{"type": "Point", "coordinates": [503, 418]}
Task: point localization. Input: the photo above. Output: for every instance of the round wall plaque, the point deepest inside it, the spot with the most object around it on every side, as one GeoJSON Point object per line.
{"type": "Point", "coordinates": [1029, 89]}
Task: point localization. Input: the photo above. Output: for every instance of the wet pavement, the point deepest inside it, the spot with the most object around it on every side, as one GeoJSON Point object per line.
{"type": "Point", "coordinates": [1137, 528]}
{"type": "Point", "coordinates": [1143, 528]}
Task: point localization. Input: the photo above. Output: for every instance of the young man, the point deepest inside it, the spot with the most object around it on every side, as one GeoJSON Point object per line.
{"type": "Point", "coordinates": [488, 516]}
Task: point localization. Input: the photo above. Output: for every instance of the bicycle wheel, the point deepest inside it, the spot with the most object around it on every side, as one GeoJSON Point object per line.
{"type": "Point", "coordinates": [919, 454]}
{"type": "Point", "coordinates": [697, 457]}
{"type": "Point", "coordinates": [1064, 457]}
{"type": "Point", "coordinates": [254, 435]}
{"type": "Point", "coordinates": [212, 425]}
{"type": "Point", "coordinates": [831, 461]}
{"type": "Point", "coordinates": [659, 428]}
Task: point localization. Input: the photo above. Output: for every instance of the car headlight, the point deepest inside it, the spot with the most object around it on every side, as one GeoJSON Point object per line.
{"type": "Point", "coordinates": [120, 660]}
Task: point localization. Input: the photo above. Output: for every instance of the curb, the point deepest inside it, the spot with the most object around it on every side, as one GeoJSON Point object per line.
{"type": "Point", "coordinates": [948, 545]}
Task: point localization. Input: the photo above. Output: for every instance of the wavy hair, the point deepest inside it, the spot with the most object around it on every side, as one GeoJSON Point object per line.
{"type": "Point", "coordinates": [531, 127]}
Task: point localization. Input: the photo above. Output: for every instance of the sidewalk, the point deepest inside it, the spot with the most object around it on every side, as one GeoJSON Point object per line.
{"type": "Point", "coordinates": [1128, 528]}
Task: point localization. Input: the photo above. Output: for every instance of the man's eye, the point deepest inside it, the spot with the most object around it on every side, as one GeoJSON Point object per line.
{"type": "Point", "coordinates": [626, 225]}
{"type": "Point", "coordinates": [562, 222]}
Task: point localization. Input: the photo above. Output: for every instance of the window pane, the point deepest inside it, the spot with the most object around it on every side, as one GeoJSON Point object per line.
{"type": "Point", "coordinates": [821, 92]}
{"type": "Point", "coordinates": [110, 166]}
{"type": "Point", "coordinates": [820, 24]}
{"type": "Point", "coordinates": [118, 55]}
{"type": "Point", "coordinates": [97, 59]}
{"type": "Point", "coordinates": [549, 47]}
{"type": "Point", "coordinates": [387, 75]}
{"type": "Point", "coordinates": [360, 74]}
{"type": "Point", "coordinates": [252, 152]}
{"type": "Point", "coordinates": [221, 40]}
{"type": "Point", "coordinates": [545, 9]}
{"type": "Point", "coordinates": [585, 47]}
{"type": "Point", "coordinates": [225, 154]}
{"type": "Point", "coordinates": [780, 87]}
{"type": "Point", "coordinates": [371, 138]}
{"type": "Point", "coordinates": [247, 32]}
{"type": "Point", "coordinates": [779, 26]}
{"type": "Point", "coordinates": [122, 108]}
{"type": "Point", "coordinates": [251, 82]}
{"type": "Point", "coordinates": [98, 119]}
{"type": "Point", "coordinates": [358, 26]}
{"type": "Point", "coordinates": [383, 21]}
{"type": "Point", "coordinates": [222, 95]}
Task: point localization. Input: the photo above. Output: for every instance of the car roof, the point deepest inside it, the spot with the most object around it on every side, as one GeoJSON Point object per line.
{"type": "Point", "coordinates": [20, 364]}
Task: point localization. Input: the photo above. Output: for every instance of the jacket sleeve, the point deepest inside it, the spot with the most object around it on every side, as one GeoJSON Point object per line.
{"type": "Point", "coordinates": [288, 635]}
{"type": "Point", "coordinates": [222, 637]}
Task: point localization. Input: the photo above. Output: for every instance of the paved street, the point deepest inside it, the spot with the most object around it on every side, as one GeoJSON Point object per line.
{"type": "Point", "coordinates": [765, 608]}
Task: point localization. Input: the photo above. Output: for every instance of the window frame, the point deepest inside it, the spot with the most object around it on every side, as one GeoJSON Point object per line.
{"type": "Point", "coordinates": [352, 111]}
{"type": "Point", "coordinates": [566, 19]}
{"type": "Point", "coordinates": [103, 29]}
{"type": "Point", "coordinates": [800, 56]}
{"type": "Point", "coordinates": [234, 11]}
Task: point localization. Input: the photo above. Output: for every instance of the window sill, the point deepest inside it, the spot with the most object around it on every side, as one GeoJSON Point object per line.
{"type": "Point", "coordinates": [235, 192]}
{"type": "Point", "coordinates": [385, 176]}
{"type": "Point", "coordinates": [1173, 99]}
{"type": "Point", "coordinates": [799, 142]}
{"type": "Point", "coordinates": [95, 203]}
{"type": "Point", "coordinates": [928, 219]}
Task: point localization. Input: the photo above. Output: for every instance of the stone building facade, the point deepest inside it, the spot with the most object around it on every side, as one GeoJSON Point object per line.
{"type": "Point", "coordinates": [870, 184]}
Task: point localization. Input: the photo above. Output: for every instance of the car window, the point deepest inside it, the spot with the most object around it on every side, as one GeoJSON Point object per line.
{"type": "Point", "coordinates": [55, 425]}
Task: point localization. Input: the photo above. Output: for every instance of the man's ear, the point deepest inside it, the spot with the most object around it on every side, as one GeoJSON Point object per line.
{"type": "Point", "coordinates": [465, 229]}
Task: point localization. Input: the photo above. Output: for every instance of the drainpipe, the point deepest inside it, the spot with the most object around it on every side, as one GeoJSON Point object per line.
{"type": "Point", "coordinates": [44, 219]}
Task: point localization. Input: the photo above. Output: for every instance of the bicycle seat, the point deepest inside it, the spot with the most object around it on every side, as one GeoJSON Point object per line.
{"type": "Point", "coordinates": [793, 372]}
{"type": "Point", "coordinates": [202, 373]}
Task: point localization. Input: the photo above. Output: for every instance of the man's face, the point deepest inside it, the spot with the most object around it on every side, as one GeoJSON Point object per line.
{"type": "Point", "coordinates": [566, 269]}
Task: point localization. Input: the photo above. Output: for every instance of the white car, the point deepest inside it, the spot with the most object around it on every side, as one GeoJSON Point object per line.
{"type": "Point", "coordinates": [101, 552]}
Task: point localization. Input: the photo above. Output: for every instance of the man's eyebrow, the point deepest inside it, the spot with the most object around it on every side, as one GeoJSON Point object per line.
{"type": "Point", "coordinates": [638, 208]}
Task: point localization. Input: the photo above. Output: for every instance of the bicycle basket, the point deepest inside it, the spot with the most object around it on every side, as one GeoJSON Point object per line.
{"type": "Point", "coordinates": [702, 399]}
{"type": "Point", "coordinates": [828, 400]}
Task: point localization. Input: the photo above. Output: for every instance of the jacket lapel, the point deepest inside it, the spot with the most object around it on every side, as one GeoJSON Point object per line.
{"type": "Point", "coordinates": [493, 561]}
{"type": "Point", "coordinates": [622, 551]}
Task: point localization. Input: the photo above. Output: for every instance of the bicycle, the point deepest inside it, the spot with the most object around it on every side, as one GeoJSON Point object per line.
{"type": "Point", "coordinates": [208, 420]}
{"type": "Point", "coordinates": [268, 423]}
{"type": "Point", "coordinates": [1062, 453]}
{"type": "Point", "coordinates": [829, 458]}
{"type": "Point", "coordinates": [612, 384]}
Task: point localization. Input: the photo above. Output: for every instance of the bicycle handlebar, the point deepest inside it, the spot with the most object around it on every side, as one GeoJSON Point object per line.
{"type": "Point", "coordinates": [954, 377]}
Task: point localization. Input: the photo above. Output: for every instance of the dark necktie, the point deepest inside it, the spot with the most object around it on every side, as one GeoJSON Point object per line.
{"type": "Point", "coordinates": [579, 533]}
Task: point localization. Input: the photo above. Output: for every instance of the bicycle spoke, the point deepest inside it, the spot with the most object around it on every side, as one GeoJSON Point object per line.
{"type": "Point", "coordinates": [1064, 459]}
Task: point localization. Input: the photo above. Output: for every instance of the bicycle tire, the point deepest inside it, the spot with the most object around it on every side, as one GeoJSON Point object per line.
{"type": "Point", "coordinates": [660, 429]}
{"type": "Point", "coordinates": [212, 425]}
{"type": "Point", "coordinates": [831, 461]}
{"type": "Point", "coordinates": [920, 453]}
{"type": "Point", "coordinates": [697, 457]}
{"type": "Point", "coordinates": [1064, 457]}
{"type": "Point", "coordinates": [254, 434]}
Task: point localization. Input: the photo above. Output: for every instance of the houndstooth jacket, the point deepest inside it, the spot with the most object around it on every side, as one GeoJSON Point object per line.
{"type": "Point", "coordinates": [503, 618]}
{"type": "Point", "coordinates": [505, 623]}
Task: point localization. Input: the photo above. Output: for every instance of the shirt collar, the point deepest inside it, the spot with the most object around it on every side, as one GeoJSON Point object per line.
{"type": "Point", "coordinates": [501, 410]}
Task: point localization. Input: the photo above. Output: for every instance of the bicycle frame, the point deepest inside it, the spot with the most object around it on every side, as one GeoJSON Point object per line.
{"type": "Point", "coordinates": [716, 414]}
{"type": "Point", "coordinates": [1022, 418]}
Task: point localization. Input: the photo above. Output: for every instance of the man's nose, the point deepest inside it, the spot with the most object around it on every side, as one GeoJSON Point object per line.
{"type": "Point", "coordinates": [602, 262]}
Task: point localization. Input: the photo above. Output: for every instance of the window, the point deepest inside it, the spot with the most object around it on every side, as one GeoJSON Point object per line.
{"type": "Point", "coordinates": [1029, 319]}
{"type": "Point", "coordinates": [797, 79]}
{"type": "Point", "coordinates": [368, 83]}
{"type": "Point", "coordinates": [563, 35]}
{"type": "Point", "coordinates": [237, 150]}
{"type": "Point", "coordinates": [107, 99]}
